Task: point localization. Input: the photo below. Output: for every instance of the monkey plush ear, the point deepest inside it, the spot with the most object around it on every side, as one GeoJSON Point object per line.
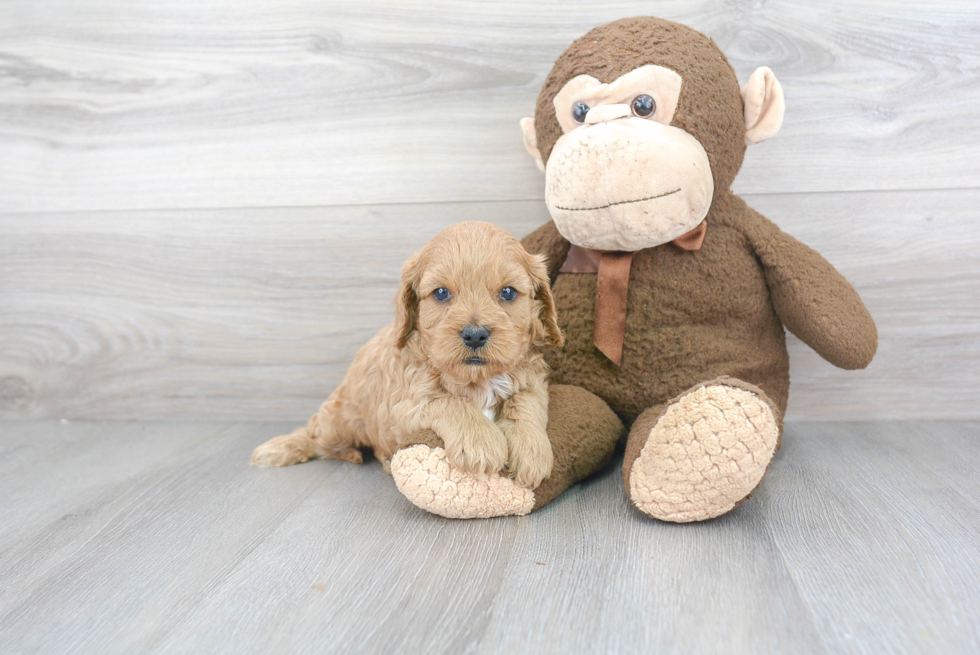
{"type": "Point", "coordinates": [531, 141]}
{"type": "Point", "coordinates": [407, 300]}
{"type": "Point", "coordinates": [764, 106]}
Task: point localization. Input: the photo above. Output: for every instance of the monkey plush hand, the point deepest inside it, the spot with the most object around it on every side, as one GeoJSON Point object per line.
{"type": "Point", "coordinates": [672, 293]}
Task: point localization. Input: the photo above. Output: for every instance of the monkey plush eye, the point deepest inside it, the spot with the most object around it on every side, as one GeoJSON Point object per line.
{"type": "Point", "coordinates": [507, 294]}
{"type": "Point", "coordinates": [442, 294]}
{"type": "Point", "coordinates": [643, 106]}
{"type": "Point", "coordinates": [579, 110]}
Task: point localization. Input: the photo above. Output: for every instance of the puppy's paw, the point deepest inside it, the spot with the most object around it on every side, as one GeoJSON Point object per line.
{"type": "Point", "coordinates": [283, 451]}
{"type": "Point", "coordinates": [531, 458]}
{"type": "Point", "coordinates": [482, 449]}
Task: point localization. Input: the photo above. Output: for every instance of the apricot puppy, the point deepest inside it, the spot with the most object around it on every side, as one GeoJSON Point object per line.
{"type": "Point", "coordinates": [463, 358]}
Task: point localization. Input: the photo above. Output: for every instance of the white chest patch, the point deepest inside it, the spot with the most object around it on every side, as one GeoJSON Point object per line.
{"type": "Point", "coordinates": [498, 390]}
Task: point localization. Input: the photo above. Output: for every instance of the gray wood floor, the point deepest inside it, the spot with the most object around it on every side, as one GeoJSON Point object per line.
{"type": "Point", "coordinates": [158, 537]}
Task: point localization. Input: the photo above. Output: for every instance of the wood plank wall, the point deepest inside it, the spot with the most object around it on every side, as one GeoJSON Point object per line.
{"type": "Point", "coordinates": [204, 206]}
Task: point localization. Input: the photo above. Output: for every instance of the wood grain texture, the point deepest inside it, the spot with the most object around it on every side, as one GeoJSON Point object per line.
{"type": "Point", "coordinates": [896, 519]}
{"type": "Point", "coordinates": [256, 314]}
{"type": "Point", "coordinates": [126, 558]}
{"type": "Point", "coordinates": [711, 587]}
{"type": "Point", "coordinates": [83, 461]}
{"type": "Point", "coordinates": [113, 104]}
{"type": "Point", "coordinates": [862, 539]}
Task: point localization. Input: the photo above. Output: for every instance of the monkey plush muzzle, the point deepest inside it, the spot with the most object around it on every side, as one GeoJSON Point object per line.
{"type": "Point", "coordinates": [625, 183]}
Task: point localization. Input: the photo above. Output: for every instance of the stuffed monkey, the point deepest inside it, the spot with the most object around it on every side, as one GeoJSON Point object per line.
{"type": "Point", "coordinates": [672, 293]}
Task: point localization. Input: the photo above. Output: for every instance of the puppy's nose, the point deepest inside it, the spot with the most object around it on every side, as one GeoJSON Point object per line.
{"type": "Point", "coordinates": [474, 336]}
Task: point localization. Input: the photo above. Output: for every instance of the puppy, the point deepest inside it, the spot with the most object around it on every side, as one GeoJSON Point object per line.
{"type": "Point", "coordinates": [463, 359]}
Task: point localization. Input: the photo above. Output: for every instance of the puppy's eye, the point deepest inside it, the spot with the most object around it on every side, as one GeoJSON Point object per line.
{"type": "Point", "coordinates": [643, 105]}
{"type": "Point", "coordinates": [579, 110]}
{"type": "Point", "coordinates": [442, 294]}
{"type": "Point", "coordinates": [507, 294]}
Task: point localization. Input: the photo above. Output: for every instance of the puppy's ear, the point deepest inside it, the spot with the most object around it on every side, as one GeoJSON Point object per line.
{"type": "Point", "coordinates": [546, 325]}
{"type": "Point", "coordinates": [407, 300]}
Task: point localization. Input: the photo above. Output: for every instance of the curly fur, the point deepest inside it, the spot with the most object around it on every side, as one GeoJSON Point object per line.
{"type": "Point", "coordinates": [414, 375]}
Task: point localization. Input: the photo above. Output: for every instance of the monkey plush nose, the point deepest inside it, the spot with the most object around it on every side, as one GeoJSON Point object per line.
{"type": "Point", "coordinates": [474, 336]}
{"type": "Point", "coordinates": [603, 113]}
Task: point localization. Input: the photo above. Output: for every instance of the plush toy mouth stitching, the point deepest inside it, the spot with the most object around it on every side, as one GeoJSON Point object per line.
{"type": "Point", "coordinates": [613, 204]}
{"type": "Point", "coordinates": [475, 361]}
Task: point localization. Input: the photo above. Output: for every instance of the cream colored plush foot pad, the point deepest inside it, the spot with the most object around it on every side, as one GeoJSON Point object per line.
{"type": "Point", "coordinates": [708, 451]}
{"type": "Point", "coordinates": [424, 476]}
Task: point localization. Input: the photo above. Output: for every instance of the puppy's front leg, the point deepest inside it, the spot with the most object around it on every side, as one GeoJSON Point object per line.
{"type": "Point", "coordinates": [473, 443]}
{"type": "Point", "coordinates": [524, 421]}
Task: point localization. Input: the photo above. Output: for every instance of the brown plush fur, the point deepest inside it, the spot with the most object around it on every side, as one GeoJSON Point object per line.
{"type": "Point", "coordinates": [696, 315]}
{"type": "Point", "coordinates": [414, 374]}
{"type": "Point", "coordinates": [692, 316]}
{"type": "Point", "coordinates": [583, 433]}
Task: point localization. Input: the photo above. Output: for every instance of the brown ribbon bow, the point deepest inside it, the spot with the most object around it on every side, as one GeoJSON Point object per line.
{"type": "Point", "coordinates": [612, 285]}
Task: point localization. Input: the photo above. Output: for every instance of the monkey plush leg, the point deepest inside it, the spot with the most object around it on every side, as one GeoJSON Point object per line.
{"type": "Point", "coordinates": [423, 474]}
{"type": "Point", "coordinates": [583, 433]}
{"type": "Point", "coordinates": [701, 454]}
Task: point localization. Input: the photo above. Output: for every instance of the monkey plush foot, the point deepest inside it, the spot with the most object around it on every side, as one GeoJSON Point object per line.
{"type": "Point", "coordinates": [425, 476]}
{"type": "Point", "coordinates": [583, 432]}
{"type": "Point", "coordinates": [703, 454]}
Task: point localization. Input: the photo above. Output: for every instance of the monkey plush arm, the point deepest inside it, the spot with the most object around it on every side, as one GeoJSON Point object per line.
{"type": "Point", "coordinates": [547, 241]}
{"type": "Point", "coordinates": [812, 299]}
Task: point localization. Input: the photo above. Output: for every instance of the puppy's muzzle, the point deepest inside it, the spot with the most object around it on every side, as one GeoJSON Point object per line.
{"type": "Point", "coordinates": [474, 336]}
